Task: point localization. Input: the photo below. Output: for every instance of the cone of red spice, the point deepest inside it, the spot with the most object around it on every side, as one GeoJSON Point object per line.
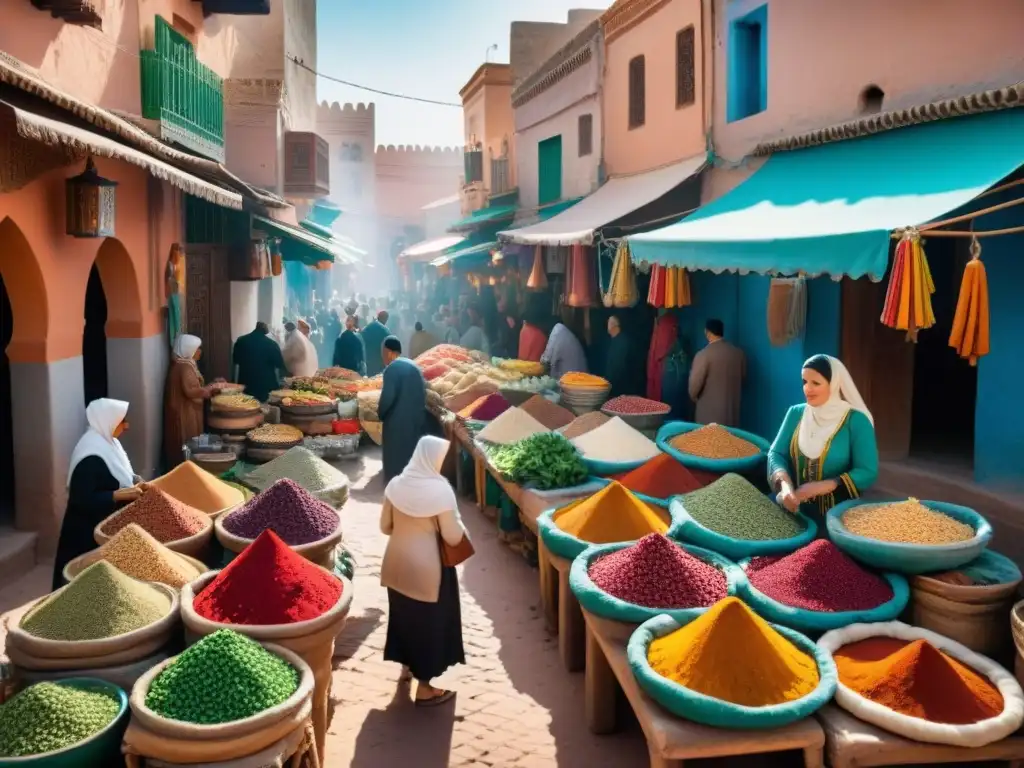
{"type": "Point", "coordinates": [818, 577]}
{"type": "Point", "coordinates": [663, 477]}
{"type": "Point", "coordinates": [657, 573]}
{"type": "Point", "coordinates": [487, 408]}
{"type": "Point", "coordinates": [917, 679]}
{"type": "Point", "coordinates": [268, 583]}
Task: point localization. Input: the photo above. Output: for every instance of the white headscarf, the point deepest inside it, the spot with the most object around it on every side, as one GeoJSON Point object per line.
{"type": "Point", "coordinates": [817, 425]}
{"type": "Point", "coordinates": [103, 416]}
{"type": "Point", "coordinates": [185, 346]}
{"type": "Point", "coordinates": [421, 490]}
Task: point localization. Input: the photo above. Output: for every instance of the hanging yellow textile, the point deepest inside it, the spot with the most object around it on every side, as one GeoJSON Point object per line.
{"type": "Point", "coordinates": [970, 335]}
{"type": "Point", "coordinates": [683, 298]}
{"type": "Point", "coordinates": [908, 300]}
{"type": "Point", "coordinates": [671, 285]}
{"type": "Point", "coordinates": [622, 289]}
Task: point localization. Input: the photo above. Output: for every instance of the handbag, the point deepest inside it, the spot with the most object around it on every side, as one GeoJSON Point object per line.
{"type": "Point", "coordinates": [454, 555]}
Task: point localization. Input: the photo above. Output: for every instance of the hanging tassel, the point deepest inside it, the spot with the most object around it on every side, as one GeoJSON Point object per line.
{"type": "Point", "coordinates": [908, 299]}
{"type": "Point", "coordinates": [970, 335]}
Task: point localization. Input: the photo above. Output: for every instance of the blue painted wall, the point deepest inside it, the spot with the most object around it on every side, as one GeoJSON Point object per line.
{"type": "Point", "coordinates": [773, 373]}
{"type": "Point", "coordinates": [747, 64]}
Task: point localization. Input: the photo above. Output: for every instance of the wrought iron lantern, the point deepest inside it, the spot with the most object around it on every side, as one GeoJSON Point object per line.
{"type": "Point", "coordinates": [91, 204]}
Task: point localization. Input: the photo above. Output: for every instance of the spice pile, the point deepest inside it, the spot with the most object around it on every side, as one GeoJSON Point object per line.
{"type": "Point", "coordinates": [663, 477]}
{"type": "Point", "coordinates": [918, 680]}
{"type": "Point", "coordinates": [732, 654]}
{"type": "Point", "coordinates": [274, 434]}
{"type": "Point", "coordinates": [611, 515]}
{"type": "Point", "coordinates": [136, 553]}
{"type": "Point", "coordinates": [99, 603]}
{"type": "Point", "coordinates": [906, 522]}
{"type": "Point", "coordinates": [234, 403]}
{"type": "Point", "coordinates": [547, 413]}
{"type": "Point", "coordinates": [818, 577]}
{"type": "Point", "coordinates": [268, 584]}
{"type": "Point", "coordinates": [616, 441]}
{"type": "Point", "coordinates": [49, 716]}
{"type": "Point", "coordinates": [987, 569]}
{"type": "Point", "coordinates": [513, 425]}
{"type": "Point", "coordinates": [732, 507]}
{"type": "Point", "coordinates": [164, 517]}
{"type": "Point", "coordinates": [577, 380]}
{"type": "Point", "coordinates": [198, 489]}
{"type": "Point", "coordinates": [301, 466]}
{"type": "Point", "coordinates": [293, 514]}
{"type": "Point", "coordinates": [585, 423]}
{"type": "Point", "coordinates": [486, 408]}
{"type": "Point", "coordinates": [657, 573]}
{"type": "Point", "coordinates": [631, 405]}
{"type": "Point", "coordinates": [222, 678]}
{"type": "Point", "coordinates": [544, 461]}
{"type": "Point", "coordinates": [713, 442]}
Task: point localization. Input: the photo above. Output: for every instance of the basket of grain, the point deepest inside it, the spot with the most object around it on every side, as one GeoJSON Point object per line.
{"type": "Point", "coordinates": [174, 524]}
{"type": "Point", "coordinates": [713, 447]}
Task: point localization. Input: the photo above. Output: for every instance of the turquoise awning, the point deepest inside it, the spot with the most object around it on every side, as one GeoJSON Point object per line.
{"type": "Point", "coordinates": [484, 216]}
{"type": "Point", "coordinates": [831, 209]}
{"type": "Point", "coordinates": [472, 250]}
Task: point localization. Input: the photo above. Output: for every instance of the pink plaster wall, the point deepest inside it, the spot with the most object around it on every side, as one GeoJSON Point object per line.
{"type": "Point", "coordinates": [669, 133]}
{"type": "Point", "coordinates": [489, 119]}
{"type": "Point", "coordinates": [821, 55]}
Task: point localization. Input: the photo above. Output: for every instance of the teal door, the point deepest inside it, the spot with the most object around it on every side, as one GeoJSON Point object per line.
{"type": "Point", "coordinates": [549, 162]}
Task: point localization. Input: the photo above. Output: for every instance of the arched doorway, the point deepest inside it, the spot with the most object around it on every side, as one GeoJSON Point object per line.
{"type": "Point", "coordinates": [94, 339]}
{"type": "Point", "coordinates": [6, 411]}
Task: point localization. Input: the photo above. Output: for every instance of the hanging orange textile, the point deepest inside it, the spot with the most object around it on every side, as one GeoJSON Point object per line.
{"type": "Point", "coordinates": [580, 280]}
{"type": "Point", "coordinates": [970, 335]}
{"type": "Point", "coordinates": [538, 279]}
{"type": "Point", "coordinates": [908, 300]}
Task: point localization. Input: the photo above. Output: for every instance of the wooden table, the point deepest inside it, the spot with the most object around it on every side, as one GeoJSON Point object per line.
{"type": "Point", "coordinates": [672, 740]}
{"type": "Point", "coordinates": [562, 613]}
{"type": "Point", "coordinates": [850, 742]}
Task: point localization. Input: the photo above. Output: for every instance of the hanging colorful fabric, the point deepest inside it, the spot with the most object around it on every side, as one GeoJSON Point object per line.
{"type": "Point", "coordinates": [656, 296]}
{"type": "Point", "coordinates": [908, 300]}
{"type": "Point", "coordinates": [970, 335]}
{"type": "Point", "coordinates": [683, 298]}
{"type": "Point", "coordinates": [671, 283]}
{"type": "Point", "coordinates": [622, 289]}
{"type": "Point", "coordinates": [538, 279]}
{"type": "Point", "coordinates": [580, 280]}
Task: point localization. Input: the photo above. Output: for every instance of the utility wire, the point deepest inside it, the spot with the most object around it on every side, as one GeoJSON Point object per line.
{"type": "Point", "coordinates": [379, 92]}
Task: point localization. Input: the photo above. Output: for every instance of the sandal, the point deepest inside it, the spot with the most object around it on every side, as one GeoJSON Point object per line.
{"type": "Point", "coordinates": [436, 701]}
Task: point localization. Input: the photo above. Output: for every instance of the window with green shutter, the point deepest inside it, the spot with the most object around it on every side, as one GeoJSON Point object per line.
{"type": "Point", "coordinates": [184, 95]}
{"type": "Point", "coordinates": [549, 162]}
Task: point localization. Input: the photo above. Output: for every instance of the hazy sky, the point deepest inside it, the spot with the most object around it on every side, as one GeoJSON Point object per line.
{"type": "Point", "coordinates": [425, 48]}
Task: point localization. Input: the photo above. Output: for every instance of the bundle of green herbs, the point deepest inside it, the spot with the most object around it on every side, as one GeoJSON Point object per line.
{"type": "Point", "coordinates": [545, 461]}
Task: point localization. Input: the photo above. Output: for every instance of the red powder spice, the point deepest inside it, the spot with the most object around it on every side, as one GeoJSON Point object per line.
{"type": "Point", "coordinates": [268, 583]}
{"type": "Point", "coordinates": [663, 477]}
{"type": "Point", "coordinates": [918, 680]}
{"type": "Point", "coordinates": [818, 577]}
{"type": "Point", "coordinates": [487, 408]}
{"type": "Point", "coordinates": [656, 573]}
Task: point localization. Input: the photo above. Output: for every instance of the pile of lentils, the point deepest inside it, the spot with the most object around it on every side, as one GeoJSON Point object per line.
{"type": "Point", "coordinates": [301, 466]}
{"type": "Point", "coordinates": [223, 678]}
{"type": "Point", "coordinates": [46, 717]}
{"type": "Point", "coordinates": [136, 553]}
{"type": "Point", "coordinates": [818, 577]}
{"type": "Point", "coordinates": [166, 518]}
{"type": "Point", "coordinates": [906, 522]}
{"type": "Point", "coordinates": [99, 603]}
{"type": "Point", "coordinates": [657, 573]}
{"type": "Point", "coordinates": [714, 442]}
{"type": "Point", "coordinates": [295, 515]}
{"type": "Point", "coordinates": [733, 507]}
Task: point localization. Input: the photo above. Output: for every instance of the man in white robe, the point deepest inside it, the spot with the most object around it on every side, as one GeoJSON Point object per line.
{"type": "Point", "coordinates": [299, 353]}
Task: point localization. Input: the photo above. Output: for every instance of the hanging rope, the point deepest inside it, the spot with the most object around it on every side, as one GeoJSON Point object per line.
{"type": "Point", "coordinates": [970, 334]}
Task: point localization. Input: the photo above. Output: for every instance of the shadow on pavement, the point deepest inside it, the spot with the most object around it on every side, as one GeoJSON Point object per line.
{"type": "Point", "coordinates": [381, 738]}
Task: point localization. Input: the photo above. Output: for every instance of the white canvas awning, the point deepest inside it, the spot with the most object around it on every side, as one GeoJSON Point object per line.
{"type": "Point", "coordinates": [425, 250]}
{"type": "Point", "coordinates": [620, 196]}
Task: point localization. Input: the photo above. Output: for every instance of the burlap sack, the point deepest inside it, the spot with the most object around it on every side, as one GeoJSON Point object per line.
{"type": "Point", "coordinates": [141, 742]}
{"type": "Point", "coordinates": [37, 653]}
{"type": "Point", "coordinates": [313, 640]}
{"type": "Point", "coordinates": [320, 552]}
{"type": "Point", "coordinates": [123, 675]}
{"type": "Point", "coordinates": [289, 752]}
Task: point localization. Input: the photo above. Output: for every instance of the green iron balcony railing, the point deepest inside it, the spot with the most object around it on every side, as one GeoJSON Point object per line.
{"type": "Point", "coordinates": [184, 95]}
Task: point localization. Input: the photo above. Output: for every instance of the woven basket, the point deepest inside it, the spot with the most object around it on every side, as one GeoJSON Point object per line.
{"type": "Point", "coordinates": [375, 430]}
{"type": "Point", "coordinates": [1017, 626]}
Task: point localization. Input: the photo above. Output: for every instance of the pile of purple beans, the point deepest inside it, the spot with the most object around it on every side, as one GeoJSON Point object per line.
{"type": "Point", "coordinates": [292, 513]}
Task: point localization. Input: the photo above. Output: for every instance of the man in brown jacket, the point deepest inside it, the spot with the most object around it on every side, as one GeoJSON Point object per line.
{"type": "Point", "coordinates": [716, 378]}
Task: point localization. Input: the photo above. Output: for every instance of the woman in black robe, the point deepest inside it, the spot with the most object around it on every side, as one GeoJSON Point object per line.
{"type": "Point", "coordinates": [100, 480]}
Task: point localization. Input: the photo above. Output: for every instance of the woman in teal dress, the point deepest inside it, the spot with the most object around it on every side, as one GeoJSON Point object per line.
{"type": "Point", "coordinates": [825, 452]}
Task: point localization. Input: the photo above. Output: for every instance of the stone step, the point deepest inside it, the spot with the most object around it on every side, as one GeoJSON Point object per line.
{"type": "Point", "coordinates": [17, 553]}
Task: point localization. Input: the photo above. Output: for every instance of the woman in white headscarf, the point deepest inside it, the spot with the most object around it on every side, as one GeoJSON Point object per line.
{"type": "Point", "coordinates": [183, 398]}
{"type": "Point", "coordinates": [424, 613]}
{"type": "Point", "coordinates": [100, 478]}
{"type": "Point", "coordinates": [825, 451]}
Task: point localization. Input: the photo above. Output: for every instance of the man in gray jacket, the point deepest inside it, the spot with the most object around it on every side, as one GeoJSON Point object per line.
{"type": "Point", "coordinates": [716, 378]}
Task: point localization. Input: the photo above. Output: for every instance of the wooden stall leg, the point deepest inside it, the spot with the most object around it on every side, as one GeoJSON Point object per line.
{"type": "Point", "coordinates": [548, 588]}
{"type": "Point", "coordinates": [600, 688]}
{"type": "Point", "coordinates": [571, 643]}
{"type": "Point", "coordinates": [480, 477]}
{"type": "Point", "coordinates": [814, 757]}
{"type": "Point", "coordinates": [657, 761]}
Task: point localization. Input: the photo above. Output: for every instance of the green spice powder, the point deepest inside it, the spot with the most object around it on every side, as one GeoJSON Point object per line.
{"type": "Point", "coordinates": [222, 678]}
{"type": "Point", "coordinates": [733, 507]}
{"type": "Point", "coordinates": [51, 716]}
{"type": "Point", "coordinates": [99, 603]}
